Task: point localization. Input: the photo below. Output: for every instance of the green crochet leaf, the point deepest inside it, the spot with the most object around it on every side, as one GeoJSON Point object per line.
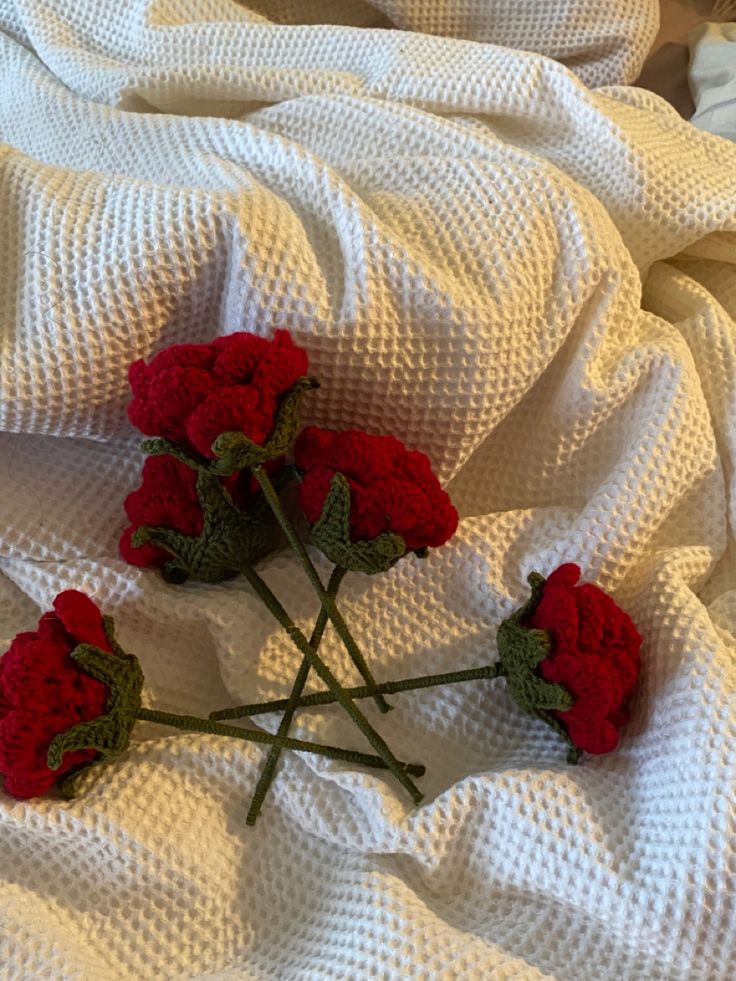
{"type": "Point", "coordinates": [230, 540]}
{"type": "Point", "coordinates": [331, 535]}
{"type": "Point", "coordinates": [537, 582]}
{"type": "Point", "coordinates": [70, 781]}
{"type": "Point", "coordinates": [96, 734]}
{"type": "Point", "coordinates": [164, 447]}
{"type": "Point", "coordinates": [109, 734]}
{"type": "Point", "coordinates": [520, 650]}
{"type": "Point", "coordinates": [234, 451]}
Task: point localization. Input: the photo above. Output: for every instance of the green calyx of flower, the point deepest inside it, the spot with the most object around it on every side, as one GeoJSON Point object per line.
{"type": "Point", "coordinates": [235, 452]}
{"type": "Point", "coordinates": [108, 734]}
{"type": "Point", "coordinates": [331, 534]}
{"type": "Point", "coordinates": [520, 651]}
{"type": "Point", "coordinates": [230, 540]}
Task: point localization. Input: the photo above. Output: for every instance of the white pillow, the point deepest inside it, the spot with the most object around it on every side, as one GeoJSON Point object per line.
{"type": "Point", "coordinates": [666, 68]}
{"type": "Point", "coordinates": [713, 78]}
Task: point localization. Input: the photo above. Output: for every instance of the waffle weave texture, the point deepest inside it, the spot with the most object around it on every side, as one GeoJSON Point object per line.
{"type": "Point", "coordinates": [532, 282]}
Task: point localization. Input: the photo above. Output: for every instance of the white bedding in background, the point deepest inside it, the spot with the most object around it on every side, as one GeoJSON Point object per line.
{"type": "Point", "coordinates": [713, 78]}
{"type": "Point", "coordinates": [665, 70]}
{"type": "Point", "coordinates": [532, 282]}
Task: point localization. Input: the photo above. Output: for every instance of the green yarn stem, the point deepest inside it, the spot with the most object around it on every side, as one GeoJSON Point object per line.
{"type": "Point", "coordinates": [488, 672]}
{"type": "Point", "coordinates": [325, 599]}
{"type": "Point", "coordinates": [190, 723]}
{"type": "Point", "coordinates": [316, 662]}
{"type": "Point", "coordinates": [269, 767]}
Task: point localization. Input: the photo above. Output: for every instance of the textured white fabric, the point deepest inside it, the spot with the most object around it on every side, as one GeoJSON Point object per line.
{"type": "Point", "coordinates": [458, 233]}
{"type": "Point", "coordinates": [602, 42]}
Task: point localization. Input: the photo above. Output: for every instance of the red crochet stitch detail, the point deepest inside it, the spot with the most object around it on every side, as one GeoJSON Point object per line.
{"type": "Point", "coordinates": [392, 489]}
{"type": "Point", "coordinates": [191, 393]}
{"type": "Point", "coordinates": [595, 656]}
{"type": "Point", "coordinates": [167, 498]}
{"type": "Point", "coordinates": [43, 692]}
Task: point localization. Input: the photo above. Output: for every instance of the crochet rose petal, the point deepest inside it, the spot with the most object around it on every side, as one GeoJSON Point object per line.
{"type": "Point", "coordinates": [564, 576]}
{"type": "Point", "coordinates": [591, 618]}
{"type": "Point", "coordinates": [177, 391]}
{"type": "Point", "coordinates": [81, 618]}
{"type": "Point", "coordinates": [141, 375]}
{"type": "Point", "coordinates": [368, 514]}
{"type": "Point", "coordinates": [557, 612]}
{"type": "Point", "coordinates": [366, 459]}
{"type": "Point", "coordinates": [590, 680]}
{"type": "Point", "coordinates": [145, 417]}
{"type": "Point", "coordinates": [238, 356]}
{"type": "Point", "coordinates": [182, 356]}
{"type": "Point", "coordinates": [50, 626]}
{"type": "Point", "coordinates": [592, 735]}
{"type": "Point", "coordinates": [281, 366]}
{"type": "Point", "coordinates": [38, 675]}
{"type": "Point", "coordinates": [239, 408]}
{"type": "Point", "coordinates": [311, 447]}
{"type": "Point", "coordinates": [138, 378]}
{"type": "Point", "coordinates": [167, 496]}
{"type": "Point", "coordinates": [313, 490]}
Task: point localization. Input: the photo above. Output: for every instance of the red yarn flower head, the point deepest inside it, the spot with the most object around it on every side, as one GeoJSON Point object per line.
{"type": "Point", "coordinates": [192, 393]}
{"type": "Point", "coordinates": [392, 490]}
{"type": "Point", "coordinates": [571, 656]}
{"type": "Point", "coordinates": [194, 524]}
{"type": "Point", "coordinates": [168, 498]}
{"type": "Point", "coordinates": [46, 693]}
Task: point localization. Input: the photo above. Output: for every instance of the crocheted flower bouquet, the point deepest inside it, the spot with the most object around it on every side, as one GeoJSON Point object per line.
{"type": "Point", "coordinates": [223, 418]}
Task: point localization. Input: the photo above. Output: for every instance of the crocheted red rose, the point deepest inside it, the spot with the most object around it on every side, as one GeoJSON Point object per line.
{"type": "Point", "coordinates": [170, 528]}
{"type": "Point", "coordinates": [44, 692]}
{"type": "Point", "coordinates": [192, 393]}
{"type": "Point", "coordinates": [168, 498]}
{"type": "Point", "coordinates": [392, 489]}
{"type": "Point", "coordinates": [594, 655]}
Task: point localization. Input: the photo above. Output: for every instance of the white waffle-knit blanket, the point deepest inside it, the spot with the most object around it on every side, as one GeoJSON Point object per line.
{"type": "Point", "coordinates": [533, 282]}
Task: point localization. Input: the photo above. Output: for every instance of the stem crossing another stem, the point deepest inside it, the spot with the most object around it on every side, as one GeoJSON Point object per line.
{"type": "Point", "coordinates": [487, 672]}
{"type": "Point", "coordinates": [269, 767]}
{"type": "Point", "coordinates": [316, 662]}
{"type": "Point", "coordinates": [326, 600]}
{"type": "Point", "coordinates": [191, 723]}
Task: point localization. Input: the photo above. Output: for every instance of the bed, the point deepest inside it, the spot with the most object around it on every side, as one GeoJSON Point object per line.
{"type": "Point", "coordinates": [495, 246]}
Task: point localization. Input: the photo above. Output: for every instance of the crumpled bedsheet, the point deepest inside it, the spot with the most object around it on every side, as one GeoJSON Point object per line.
{"type": "Point", "coordinates": [533, 282]}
